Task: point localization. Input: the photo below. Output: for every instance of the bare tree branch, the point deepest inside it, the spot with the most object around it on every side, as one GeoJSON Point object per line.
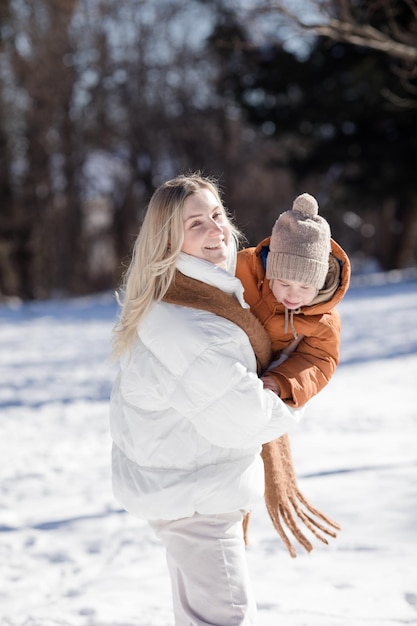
{"type": "Point", "coordinates": [396, 43]}
{"type": "Point", "coordinates": [367, 36]}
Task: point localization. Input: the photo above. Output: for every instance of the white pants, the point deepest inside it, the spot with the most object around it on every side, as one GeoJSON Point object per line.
{"type": "Point", "coordinates": [208, 569]}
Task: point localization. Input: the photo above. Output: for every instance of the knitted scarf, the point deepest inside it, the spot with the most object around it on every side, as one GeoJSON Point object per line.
{"type": "Point", "coordinates": [283, 498]}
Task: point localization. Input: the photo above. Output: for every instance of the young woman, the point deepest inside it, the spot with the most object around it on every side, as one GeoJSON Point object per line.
{"type": "Point", "coordinates": [189, 413]}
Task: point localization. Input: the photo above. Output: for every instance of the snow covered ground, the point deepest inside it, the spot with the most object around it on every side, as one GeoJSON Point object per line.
{"type": "Point", "coordinates": [69, 556]}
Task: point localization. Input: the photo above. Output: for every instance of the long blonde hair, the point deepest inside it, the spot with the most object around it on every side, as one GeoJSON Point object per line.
{"type": "Point", "coordinates": [155, 253]}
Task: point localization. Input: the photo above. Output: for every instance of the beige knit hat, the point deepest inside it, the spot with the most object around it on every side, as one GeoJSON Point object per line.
{"type": "Point", "coordinates": [300, 244]}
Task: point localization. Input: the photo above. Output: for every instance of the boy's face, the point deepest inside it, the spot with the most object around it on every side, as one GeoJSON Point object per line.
{"type": "Point", "coordinates": [292, 294]}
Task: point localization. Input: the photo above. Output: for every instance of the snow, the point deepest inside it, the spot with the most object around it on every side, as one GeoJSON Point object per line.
{"type": "Point", "coordinates": [69, 556]}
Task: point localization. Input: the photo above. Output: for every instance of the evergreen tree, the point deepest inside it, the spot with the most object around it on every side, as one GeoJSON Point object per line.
{"type": "Point", "coordinates": [341, 110]}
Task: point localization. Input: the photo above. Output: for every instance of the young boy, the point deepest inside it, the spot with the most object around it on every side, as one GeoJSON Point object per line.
{"type": "Point", "coordinates": [293, 282]}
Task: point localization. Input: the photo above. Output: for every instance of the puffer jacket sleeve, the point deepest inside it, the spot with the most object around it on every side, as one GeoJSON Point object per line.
{"type": "Point", "coordinates": [308, 370]}
{"type": "Point", "coordinates": [216, 391]}
{"type": "Point", "coordinates": [227, 404]}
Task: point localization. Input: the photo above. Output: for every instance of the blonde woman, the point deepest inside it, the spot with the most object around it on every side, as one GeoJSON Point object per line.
{"type": "Point", "coordinates": [189, 413]}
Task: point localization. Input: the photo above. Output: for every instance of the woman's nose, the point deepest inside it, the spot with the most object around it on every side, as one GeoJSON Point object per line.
{"type": "Point", "coordinates": [215, 227]}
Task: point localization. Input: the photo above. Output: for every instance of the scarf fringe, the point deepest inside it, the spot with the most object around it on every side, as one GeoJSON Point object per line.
{"type": "Point", "coordinates": [284, 500]}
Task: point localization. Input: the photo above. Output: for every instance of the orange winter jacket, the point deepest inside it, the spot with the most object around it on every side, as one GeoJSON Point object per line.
{"type": "Point", "coordinates": [312, 364]}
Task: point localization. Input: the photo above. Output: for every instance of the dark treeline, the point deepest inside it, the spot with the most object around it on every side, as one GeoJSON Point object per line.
{"type": "Point", "coordinates": [102, 101]}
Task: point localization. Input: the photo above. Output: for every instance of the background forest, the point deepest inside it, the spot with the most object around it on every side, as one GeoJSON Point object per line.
{"type": "Point", "coordinates": [102, 100]}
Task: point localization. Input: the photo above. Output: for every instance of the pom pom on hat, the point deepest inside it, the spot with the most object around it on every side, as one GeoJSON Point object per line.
{"type": "Point", "coordinates": [300, 244]}
{"type": "Point", "coordinates": [306, 205]}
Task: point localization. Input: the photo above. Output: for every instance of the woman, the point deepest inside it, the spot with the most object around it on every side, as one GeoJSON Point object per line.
{"type": "Point", "coordinates": [188, 412]}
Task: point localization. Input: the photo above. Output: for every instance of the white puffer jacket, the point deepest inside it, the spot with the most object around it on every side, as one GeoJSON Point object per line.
{"type": "Point", "coordinates": [188, 412]}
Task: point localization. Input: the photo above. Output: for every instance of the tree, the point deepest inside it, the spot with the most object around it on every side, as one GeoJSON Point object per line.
{"type": "Point", "coordinates": [340, 134]}
{"type": "Point", "coordinates": [385, 26]}
{"type": "Point", "coordinates": [120, 83]}
{"type": "Point", "coordinates": [37, 93]}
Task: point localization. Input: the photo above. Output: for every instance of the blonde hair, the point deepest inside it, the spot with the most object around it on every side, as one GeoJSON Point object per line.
{"type": "Point", "coordinates": [155, 253]}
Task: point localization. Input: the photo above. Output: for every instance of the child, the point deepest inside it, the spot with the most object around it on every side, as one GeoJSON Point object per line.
{"type": "Point", "coordinates": [293, 282]}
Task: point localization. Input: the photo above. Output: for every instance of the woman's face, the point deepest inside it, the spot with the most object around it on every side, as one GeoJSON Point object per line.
{"type": "Point", "coordinates": [207, 231]}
